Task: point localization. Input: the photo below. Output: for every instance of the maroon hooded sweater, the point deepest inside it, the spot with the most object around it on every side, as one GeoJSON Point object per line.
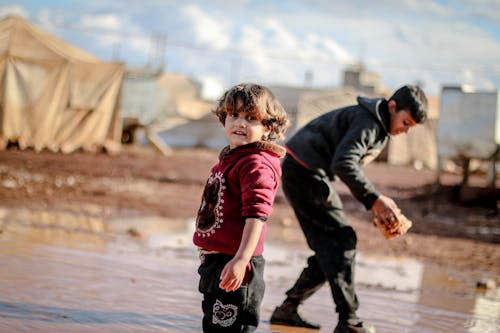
{"type": "Point", "coordinates": [242, 184]}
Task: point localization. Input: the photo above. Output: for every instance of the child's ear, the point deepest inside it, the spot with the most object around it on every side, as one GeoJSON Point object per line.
{"type": "Point", "coordinates": [267, 131]}
{"type": "Point", "coordinates": [392, 106]}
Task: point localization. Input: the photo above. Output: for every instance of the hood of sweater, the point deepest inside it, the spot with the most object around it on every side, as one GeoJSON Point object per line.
{"type": "Point", "coordinates": [260, 145]}
{"type": "Point", "coordinates": [379, 108]}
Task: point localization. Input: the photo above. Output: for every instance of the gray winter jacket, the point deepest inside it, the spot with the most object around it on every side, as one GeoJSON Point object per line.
{"type": "Point", "coordinates": [340, 141]}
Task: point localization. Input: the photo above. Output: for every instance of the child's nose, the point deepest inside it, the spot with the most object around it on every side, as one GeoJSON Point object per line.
{"type": "Point", "coordinates": [240, 122]}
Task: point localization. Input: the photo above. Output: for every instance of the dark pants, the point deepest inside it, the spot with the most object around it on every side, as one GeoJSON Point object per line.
{"type": "Point", "coordinates": [319, 211]}
{"type": "Point", "coordinates": [230, 312]}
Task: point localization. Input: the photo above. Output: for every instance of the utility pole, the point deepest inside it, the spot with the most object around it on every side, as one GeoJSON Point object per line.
{"type": "Point", "coordinates": [156, 60]}
{"type": "Point", "coordinates": [116, 52]}
{"type": "Point", "coordinates": [308, 78]}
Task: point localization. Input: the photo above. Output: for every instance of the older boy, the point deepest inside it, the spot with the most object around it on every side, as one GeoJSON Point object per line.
{"type": "Point", "coordinates": [335, 145]}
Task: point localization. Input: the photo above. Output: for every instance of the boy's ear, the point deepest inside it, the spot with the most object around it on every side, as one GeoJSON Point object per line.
{"type": "Point", "coordinates": [392, 106]}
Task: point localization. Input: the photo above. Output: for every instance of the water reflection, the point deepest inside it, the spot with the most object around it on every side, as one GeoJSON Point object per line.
{"type": "Point", "coordinates": [52, 289]}
{"type": "Point", "coordinates": [69, 273]}
{"type": "Point", "coordinates": [50, 314]}
{"type": "Point", "coordinates": [397, 295]}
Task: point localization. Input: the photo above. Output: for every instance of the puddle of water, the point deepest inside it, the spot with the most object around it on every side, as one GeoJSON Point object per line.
{"type": "Point", "coordinates": [70, 273]}
{"type": "Point", "coordinates": [396, 294]}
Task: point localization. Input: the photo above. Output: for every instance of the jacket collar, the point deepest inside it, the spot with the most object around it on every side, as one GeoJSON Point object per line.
{"type": "Point", "coordinates": [379, 108]}
{"type": "Point", "coordinates": [259, 145]}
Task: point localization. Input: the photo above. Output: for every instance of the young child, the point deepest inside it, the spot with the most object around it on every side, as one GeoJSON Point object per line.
{"type": "Point", "coordinates": [237, 200]}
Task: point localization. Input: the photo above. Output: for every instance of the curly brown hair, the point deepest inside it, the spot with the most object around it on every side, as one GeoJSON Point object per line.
{"type": "Point", "coordinates": [257, 100]}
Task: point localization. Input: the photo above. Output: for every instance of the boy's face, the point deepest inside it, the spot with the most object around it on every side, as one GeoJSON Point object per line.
{"type": "Point", "coordinates": [401, 121]}
{"type": "Point", "coordinates": [243, 127]}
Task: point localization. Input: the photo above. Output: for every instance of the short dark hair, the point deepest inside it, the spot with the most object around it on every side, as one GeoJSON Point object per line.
{"type": "Point", "coordinates": [256, 99]}
{"type": "Point", "coordinates": [412, 98]}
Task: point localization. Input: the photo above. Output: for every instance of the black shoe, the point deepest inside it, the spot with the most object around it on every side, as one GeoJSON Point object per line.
{"type": "Point", "coordinates": [283, 316]}
{"type": "Point", "coordinates": [344, 327]}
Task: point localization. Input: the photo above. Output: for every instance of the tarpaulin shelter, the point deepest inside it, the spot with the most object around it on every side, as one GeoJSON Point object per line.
{"type": "Point", "coordinates": [54, 95]}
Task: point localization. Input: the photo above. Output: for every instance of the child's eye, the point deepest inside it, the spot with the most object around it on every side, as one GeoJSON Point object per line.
{"type": "Point", "coordinates": [251, 118]}
{"type": "Point", "coordinates": [234, 114]}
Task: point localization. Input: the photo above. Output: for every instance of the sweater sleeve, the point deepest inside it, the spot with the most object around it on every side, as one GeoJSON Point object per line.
{"type": "Point", "coordinates": [346, 162]}
{"type": "Point", "coordinates": [259, 183]}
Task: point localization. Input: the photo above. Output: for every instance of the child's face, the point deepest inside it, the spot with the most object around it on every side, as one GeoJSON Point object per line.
{"type": "Point", "coordinates": [243, 128]}
{"type": "Point", "coordinates": [401, 121]}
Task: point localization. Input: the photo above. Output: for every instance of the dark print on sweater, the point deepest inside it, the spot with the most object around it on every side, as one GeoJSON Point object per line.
{"type": "Point", "coordinates": [210, 211]}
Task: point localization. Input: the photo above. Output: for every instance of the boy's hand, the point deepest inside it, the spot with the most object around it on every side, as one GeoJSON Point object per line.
{"type": "Point", "coordinates": [402, 226]}
{"type": "Point", "coordinates": [388, 218]}
{"type": "Point", "coordinates": [232, 275]}
{"type": "Point", "coordinates": [384, 211]}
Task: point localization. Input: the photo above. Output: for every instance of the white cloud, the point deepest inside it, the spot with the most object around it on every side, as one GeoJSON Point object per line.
{"type": "Point", "coordinates": [267, 47]}
{"type": "Point", "coordinates": [403, 41]}
{"type": "Point", "coordinates": [106, 22]}
{"type": "Point", "coordinates": [279, 36]}
{"type": "Point", "coordinates": [443, 44]}
{"type": "Point", "coordinates": [276, 55]}
{"type": "Point", "coordinates": [207, 30]}
{"type": "Point", "coordinates": [213, 87]}
{"type": "Point", "coordinates": [112, 30]}
{"type": "Point", "coordinates": [436, 49]}
{"type": "Point", "coordinates": [418, 8]}
{"type": "Point", "coordinates": [51, 20]}
{"type": "Point", "coordinates": [13, 10]}
{"type": "Point", "coordinates": [484, 10]}
{"type": "Point", "coordinates": [339, 53]}
{"type": "Point", "coordinates": [251, 38]}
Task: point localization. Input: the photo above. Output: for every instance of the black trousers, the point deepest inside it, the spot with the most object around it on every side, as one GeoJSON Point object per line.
{"type": "Point", "coordinates": [320, 213]}
{"type": "Point", "coordinates": [230, 312]}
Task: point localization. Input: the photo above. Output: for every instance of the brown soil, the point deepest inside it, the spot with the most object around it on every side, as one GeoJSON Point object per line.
{"type": "Point", "coordinates": [460, 234]}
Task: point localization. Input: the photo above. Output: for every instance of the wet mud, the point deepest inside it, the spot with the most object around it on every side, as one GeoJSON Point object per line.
{"type": "Point", "coordinates": [71, 273]}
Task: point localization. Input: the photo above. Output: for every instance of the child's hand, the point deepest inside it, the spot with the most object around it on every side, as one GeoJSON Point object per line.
{"type": "Point", "coordinates": [389, 232]}
{"type": "Point", "coordinates": [232, 275]}
{"type": "Point", "coordinates": [385, 212]}
{"type": "Point", "coordinates": [389, 219]}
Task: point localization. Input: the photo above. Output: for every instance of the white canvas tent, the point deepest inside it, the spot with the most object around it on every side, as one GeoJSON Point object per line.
{"type": "Point", "coordinates": [54, 95]}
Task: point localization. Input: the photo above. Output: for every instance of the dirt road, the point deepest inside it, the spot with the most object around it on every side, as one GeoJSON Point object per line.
{"type": "Point", "coordinates": [140, 181]}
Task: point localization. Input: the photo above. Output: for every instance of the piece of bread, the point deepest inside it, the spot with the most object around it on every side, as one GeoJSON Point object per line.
{"type": "Point", "coordinates": [400, 227]}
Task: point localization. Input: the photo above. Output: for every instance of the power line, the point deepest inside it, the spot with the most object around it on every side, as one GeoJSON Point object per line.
{"type": "Point", "coordinates": [159, 44]}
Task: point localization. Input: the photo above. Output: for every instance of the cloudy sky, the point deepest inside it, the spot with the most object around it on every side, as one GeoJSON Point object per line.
{"type": "Point", "coordinates": [221, 42]}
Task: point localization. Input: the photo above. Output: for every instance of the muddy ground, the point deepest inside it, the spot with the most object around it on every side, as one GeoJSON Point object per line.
{"type": "Point", "coordinates": [454, 228]}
